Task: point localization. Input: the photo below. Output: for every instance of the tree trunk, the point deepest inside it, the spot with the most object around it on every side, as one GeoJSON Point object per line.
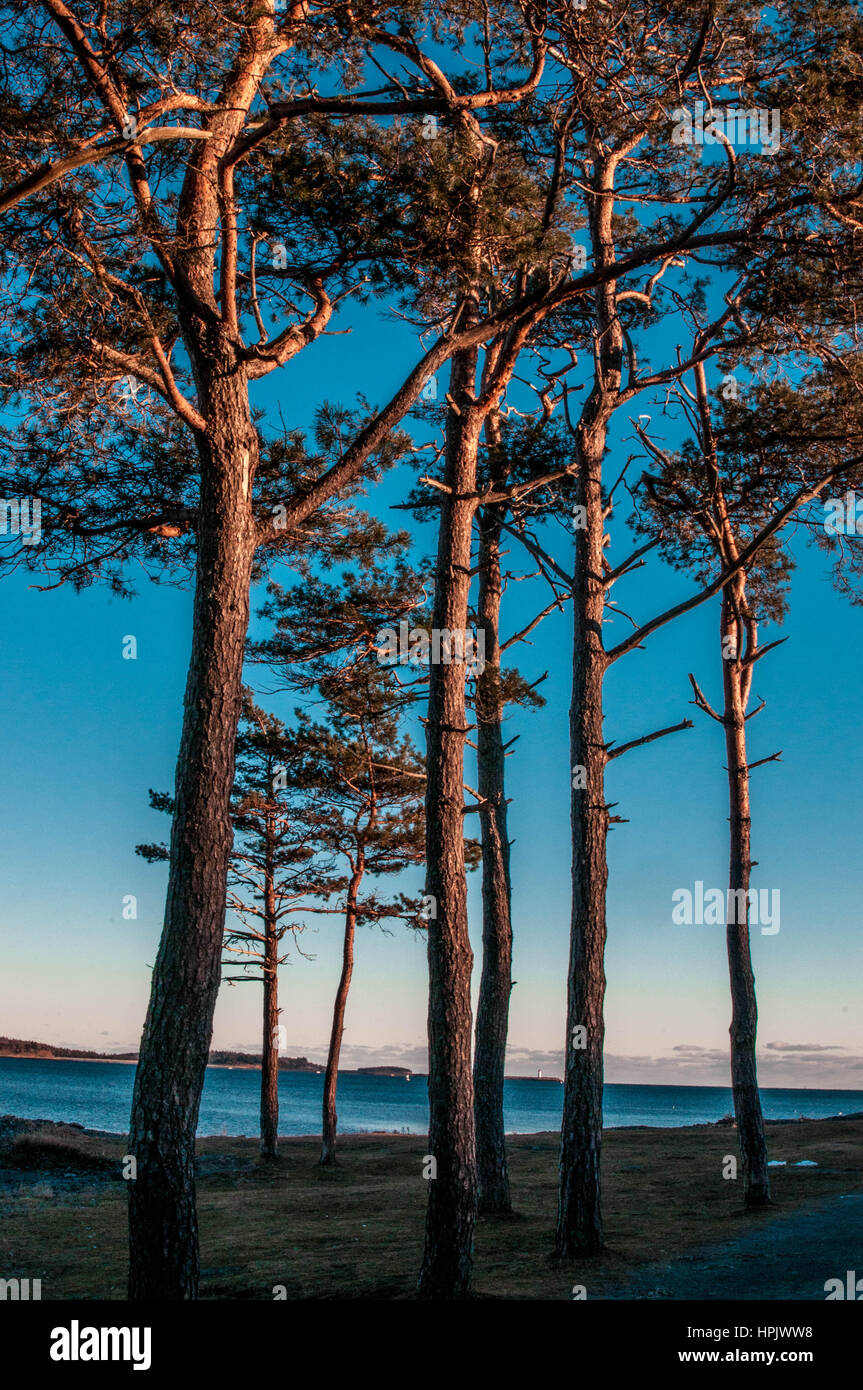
{"type": "Point", "coordinates": [270, 1052]}
{"type": "Point", "coordinates": [579, 1223]}
{"type": "Point", "coordinates": [744, 1010]}
{"type": "Point", "coordinates": [163, 1235]}
{"type": "Point", "coordinates": [738, 632]}
{"type": "Point", "coordinates": [446, 1267]}
{"type": "Point", "coordinates": [492, 1015]}
{"type": "Point", "coordinates": [331, 1079]}
{"type": "Point", "coordinates": [579, 1226]}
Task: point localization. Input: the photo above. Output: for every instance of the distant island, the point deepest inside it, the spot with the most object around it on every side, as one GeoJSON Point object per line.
{"type": "Point", "coordinates": [20, 1047]}
{"type": "Point", "coordinates": [404, 1072]}
{"type": "Point", "coordinates": [253, 1059]}
{"type": "Point", "coordinates": [46, 1052]}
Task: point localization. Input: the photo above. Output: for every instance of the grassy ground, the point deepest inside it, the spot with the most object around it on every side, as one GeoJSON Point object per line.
{"type": "Point", "coordinates": [357, 1232]}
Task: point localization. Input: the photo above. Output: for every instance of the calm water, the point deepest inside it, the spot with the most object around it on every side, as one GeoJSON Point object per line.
{"type": "Point", "coordinates": [98, 1095]}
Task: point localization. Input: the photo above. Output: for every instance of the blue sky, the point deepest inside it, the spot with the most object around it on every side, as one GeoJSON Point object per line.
{"type": "Point", "coordinates": [86, 734]}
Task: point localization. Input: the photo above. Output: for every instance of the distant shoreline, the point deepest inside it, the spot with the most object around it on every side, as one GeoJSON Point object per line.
{"type": "Point", "coordinates": [313, 1070]}
{"type": "Point", "coordinates": [41, 1057]}
{"type": "Point", "coordinates": [30, 1050]}
{"type": "Point", "coordinates": [10, 1124]}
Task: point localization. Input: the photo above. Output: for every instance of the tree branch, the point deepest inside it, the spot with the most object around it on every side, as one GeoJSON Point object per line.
{"type": "Point", "coordinates": [702, 703]}
{"type": "Point", "coordinates": [804, 495]}
{"type": "Point", "coordinates": [648, 738]}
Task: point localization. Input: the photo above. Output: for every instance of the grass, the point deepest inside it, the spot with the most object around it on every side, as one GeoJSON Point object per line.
{"type": "Point", "coordinates": [47, 1151]}
{"type": "Point", "coordinates": [357, 1231]}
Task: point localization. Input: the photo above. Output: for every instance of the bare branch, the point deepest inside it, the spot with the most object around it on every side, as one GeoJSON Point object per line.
{"type": "Point", "coordinates": [648, 738]}
{"type": "Point", "coordinates": [774, 758]}
{"type": "Point", "coordinates": [702, 702]}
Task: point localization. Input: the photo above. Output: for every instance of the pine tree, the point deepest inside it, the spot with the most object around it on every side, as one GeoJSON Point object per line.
{"type": "Point", "coordinates": [338, 642]}
{"type": "Point", "coordinates": [146, 282]}
{"type": "Point", "coordinates": [364, 779]}
{"type": "Point", "coordinates": [748, 462]}
{"type": "Point", "coordinates": [278, 867]}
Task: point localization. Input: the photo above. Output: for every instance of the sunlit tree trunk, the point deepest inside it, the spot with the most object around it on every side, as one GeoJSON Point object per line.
{"type": "Point", "coordinates": [579, 1227]}
{"type": "Point", "coordinates": [331, 1079]}
{"type": "Point", "coordinates": [492, 1014]}
{"type": "Point", "coordinates": [744, 1009]}
{"type": "Point", "coordinates": [579, 1224]}
{"type": "Point", "coordinates": [446, 1268]}
{"type": "Point", "coordinates": [178, 1029]}
{"type": "Point", "coordinates": [270, 1052]}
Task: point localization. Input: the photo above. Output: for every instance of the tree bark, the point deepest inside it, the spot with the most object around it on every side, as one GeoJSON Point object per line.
{"type": "Point", "coordinates": [579, 1226]}
{"type": "Point", "coordinates": [331, 1079]}
{"type": "Point", "coordinates": [270, 1052]}
{"type": "Point", "coordinates": [579, 1223]}
{"type": "Point", "coordinates": [446, 1268]}
{"type": "Point", "coordinates": [744, 1009]}
{"type": "Point", "coordinates": [492, 1016]}
{"type": "Point", "coordinates": [738, 633]}
{"type": "Point", "coordinates": [163, 1235]}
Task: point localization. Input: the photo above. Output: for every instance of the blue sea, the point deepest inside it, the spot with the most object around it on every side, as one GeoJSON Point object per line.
{"type": "Point", "coordinates": [98, 1095]}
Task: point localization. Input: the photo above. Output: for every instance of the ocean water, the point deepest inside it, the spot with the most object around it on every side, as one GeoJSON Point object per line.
{"type": "Point", "coordinates": [98, 1095]}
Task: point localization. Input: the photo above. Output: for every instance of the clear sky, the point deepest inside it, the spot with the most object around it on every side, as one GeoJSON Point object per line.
{"type": "Point", "coordinates": [86, 733]}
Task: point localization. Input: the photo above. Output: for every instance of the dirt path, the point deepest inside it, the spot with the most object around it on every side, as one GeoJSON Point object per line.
{"type": "Point", "coordinates": [789, 1257]}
